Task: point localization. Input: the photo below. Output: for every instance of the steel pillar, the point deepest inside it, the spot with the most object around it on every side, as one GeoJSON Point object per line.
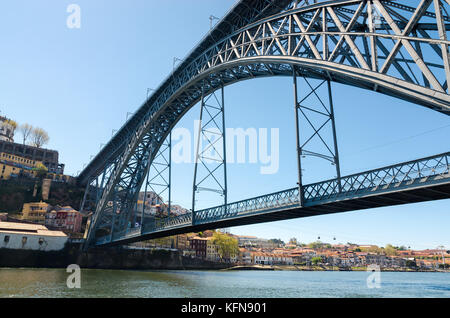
{"type": "Point", "coordinates": [158, 180]}
{"type": "Point", "coordinates": [210, 171]}
{"type": "Point", "coordinates": [319, 118]}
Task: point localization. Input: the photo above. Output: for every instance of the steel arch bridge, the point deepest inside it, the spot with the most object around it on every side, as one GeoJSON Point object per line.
{"type": "Point", "coordinates": [397, 48]}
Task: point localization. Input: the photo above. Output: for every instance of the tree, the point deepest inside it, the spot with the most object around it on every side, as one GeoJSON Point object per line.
{"type": "Point", "coordinates": [41, 170]}
{"type": "Point", "coordinates": [12, 123]}
{"type": "Point", "coordinates": [278, 242]}
{"type": "Point", "coordinates": [39, 137]}
{"type": "Point", "coordinates": [390, 250]}
{"type": "Point", "coordinates": [25, 130]}
{"type": "Point", "coordinates": [293, 241]}
{"type": "Point", "coordinates": [316, 260]}
{"type": "Point", "coordinates": [315, 245]}
{"type": "Point", "coordinates": [227, 245]}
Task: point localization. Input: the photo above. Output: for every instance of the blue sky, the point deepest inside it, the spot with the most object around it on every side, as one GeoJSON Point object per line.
{"type": "Point", "coordinates": [79, 84]}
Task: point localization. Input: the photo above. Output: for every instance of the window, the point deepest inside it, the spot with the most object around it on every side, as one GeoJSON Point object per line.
{"type": "Point", "coordinates": [6, 239]}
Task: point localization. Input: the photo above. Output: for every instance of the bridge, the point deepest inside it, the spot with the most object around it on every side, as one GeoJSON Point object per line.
{"type": "Point", "coordinates": [397, 48]}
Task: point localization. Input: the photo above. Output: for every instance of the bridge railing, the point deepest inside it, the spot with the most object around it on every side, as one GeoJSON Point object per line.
{"type": "Point", "coordinates": [158, 224]}
{"type": "Point", "coordinates": [266, 203]}
{"type": "Point", "coordinates": [420, 171]}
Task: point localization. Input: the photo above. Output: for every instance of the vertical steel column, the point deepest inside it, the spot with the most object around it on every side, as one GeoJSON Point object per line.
{"type": "Point", "coordinates": [297, 129]}
{"type": "Point", "coordinates": [224, 150]}
{"type": "Point", "coordinates": [83, 202]}
{"type": "Point", "coordinates": [197, 153]}
{"type": "Point", "coordinates": [143, 202]}
{"type": "Point", "coordinates": [321, 120]}
{"type": "Point", "coordinates": [333, 125]}
{"type": "Point", "coordinates": [170, 174]}
{"type": "Point", "coordinates": [157, 179]}
{"type": "Point", "coordinates": [212, 160]}
{"type": "Point", "coordinates": [113, 217]}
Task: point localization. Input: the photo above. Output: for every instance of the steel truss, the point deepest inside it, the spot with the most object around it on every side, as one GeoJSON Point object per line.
{"type": "Point", "coordinates": [159, 179]}
{"type": "Point", "coordinates": [210, 172]}
{"type": "Point", "coordinates": [304, 110]}
{"type": "Point", "coordinates": [403, 53]}
{"type": "Point", "coordinates": [373, 40]}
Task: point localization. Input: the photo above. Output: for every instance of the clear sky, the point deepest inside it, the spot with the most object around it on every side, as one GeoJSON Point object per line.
{"type": "Point", "coordinates": [79, 84]}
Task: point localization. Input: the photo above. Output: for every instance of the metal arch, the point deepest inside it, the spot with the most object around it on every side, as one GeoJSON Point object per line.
{"type": "Point", "coordinates": [117, 144]}
{"type": "Point", "coordinates": [272, 45]}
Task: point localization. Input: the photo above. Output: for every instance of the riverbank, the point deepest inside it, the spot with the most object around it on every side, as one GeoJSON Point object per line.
{"type": "Point", "coordinates": [322, 268]}
{"type": "Point", "coordinates": [147, 259]}
{"type": "Point", "coordinates": [105, 258]}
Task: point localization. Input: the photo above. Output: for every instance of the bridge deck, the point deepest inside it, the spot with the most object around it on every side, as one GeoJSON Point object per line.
{"type": "Point", "coordinates": [410, 182]}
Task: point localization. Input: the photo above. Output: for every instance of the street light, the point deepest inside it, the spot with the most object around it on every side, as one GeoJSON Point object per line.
{"type": "Point", "coordinates": [149, 90]}
{"type": "Point", "coordinates": [211, 19]}
{"type": "Point", "coordinates": [175, 60]}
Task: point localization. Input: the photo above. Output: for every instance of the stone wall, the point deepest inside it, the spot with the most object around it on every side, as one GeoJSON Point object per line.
{"type": "Point", "coordinates": [110, 258]}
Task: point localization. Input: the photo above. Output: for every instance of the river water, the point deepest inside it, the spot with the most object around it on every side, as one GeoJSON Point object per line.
{"type": "Point", "coordinates": [220, 284]}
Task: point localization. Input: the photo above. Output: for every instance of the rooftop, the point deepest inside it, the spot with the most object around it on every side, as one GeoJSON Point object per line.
{"type": "Point", "coordinates": [32, 229]}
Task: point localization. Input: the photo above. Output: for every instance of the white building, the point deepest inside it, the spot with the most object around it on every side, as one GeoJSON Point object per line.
{"type": "Point", "coordinates": [254, 242]}
{"type": "Point", "coordinates": [7, 128]}
{"type": "Point", "coordinates": [30, 237]}
{"type": "Point", "coordinates": [271, 259]}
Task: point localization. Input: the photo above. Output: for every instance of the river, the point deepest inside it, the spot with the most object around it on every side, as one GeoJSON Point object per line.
{"type": "Point", "coordinates": [220, 284]}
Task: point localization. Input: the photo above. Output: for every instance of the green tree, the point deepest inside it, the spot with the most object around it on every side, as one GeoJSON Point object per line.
{"type": "Point", "coordinates": [372, 249]}
{"type": "Point", "coordinates": [316, 245]}
{"type": "Point", "coordinates": [41, 170]}
{"type": "Point", "coordinates": [390, 250]}
{"type": "Point", "coordinates": [316, 260]}
{"type": "Point", "coordinates": [227, 245]}
{"type": "Point", "coordinates": [278, 242]}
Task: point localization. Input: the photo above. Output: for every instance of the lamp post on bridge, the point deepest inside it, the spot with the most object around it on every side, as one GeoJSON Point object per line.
{"type": "Point", "coordinates": [211, 19]}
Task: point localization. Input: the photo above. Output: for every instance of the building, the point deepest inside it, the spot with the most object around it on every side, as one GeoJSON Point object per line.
{"type": "Point", "coordinates": [199, 245]}
{"type": "Point", "coordinates": [35, 212]}
{"type": "Point", "coordinates": [375, 259]}
{"type": "Point", "coordinates": [30, 237]}
{"type": "Point", "coordinates": [245, 256]}
{"type": "Point", "coordinates": [13, 166]}
{"type": "Point", "coordinates": [178, 210]}
{"type": "Point", "coordinates": [182, 242]}
{"type": "Point", "coordinates": [7, 129]}
{"type": "Point", "coordinates": [50, 158]}
{"type": "Point", "coordinates": [212, 250]}
{"type": "Point", "coordinates": [64, 219]}
{"type": "Point", "coordinates": [271, 259]}
{"type": "Point", "coordinates": [254, 242]}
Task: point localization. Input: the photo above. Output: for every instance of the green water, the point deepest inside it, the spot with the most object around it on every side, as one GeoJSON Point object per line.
{"type": "Point", "coordinates": [219, 284]}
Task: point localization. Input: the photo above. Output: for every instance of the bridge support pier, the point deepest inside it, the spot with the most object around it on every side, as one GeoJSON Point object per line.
{"type": "Point", "coordinates": [159, 179]}
{"type": "Point", "coordinates": [315, 127]}
{"type": "Point", "coordinates": [211, 175]}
